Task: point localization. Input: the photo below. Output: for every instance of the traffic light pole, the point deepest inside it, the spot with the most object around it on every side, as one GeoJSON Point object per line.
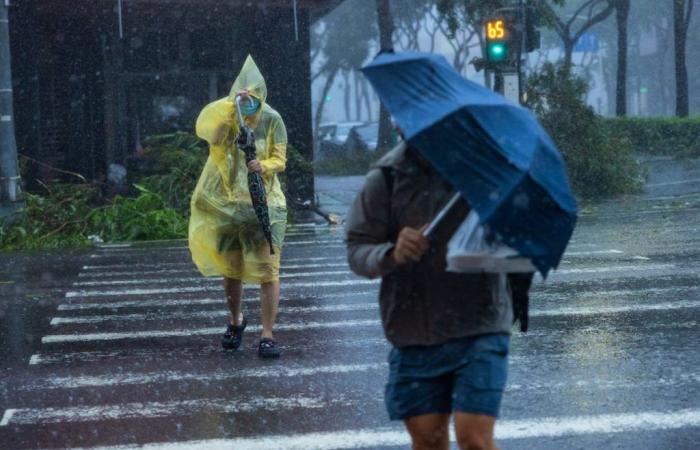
{"type": "Point", "coordinates": [10, 190]}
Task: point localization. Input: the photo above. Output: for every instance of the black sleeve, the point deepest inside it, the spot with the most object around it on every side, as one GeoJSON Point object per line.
{"type": "Point", "coordinates": [520, 288]}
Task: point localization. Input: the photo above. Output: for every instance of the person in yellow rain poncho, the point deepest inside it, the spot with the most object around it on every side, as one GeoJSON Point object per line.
{"type": "Point", "coordinates": [225, 236]}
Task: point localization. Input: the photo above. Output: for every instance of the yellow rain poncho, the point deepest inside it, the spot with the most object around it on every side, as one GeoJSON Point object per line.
{"type": "Point", "coordinates": [225, 237]}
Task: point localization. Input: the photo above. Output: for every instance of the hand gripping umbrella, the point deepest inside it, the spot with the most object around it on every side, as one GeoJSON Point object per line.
{"type": "Point", "coordinates": [246, 142]}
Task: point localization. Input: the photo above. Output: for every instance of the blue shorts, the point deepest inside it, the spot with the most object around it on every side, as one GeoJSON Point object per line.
{"type": "Point", "coordinates": [466, 374]}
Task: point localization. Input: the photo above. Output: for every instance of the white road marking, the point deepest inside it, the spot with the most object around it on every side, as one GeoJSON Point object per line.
{"type": "Point", "coordinates": [148, 303]}
{"type": "Point", "coordinates": [326, 244]}
{"type": "Point", "coordinates": [88, 337]}
{"type": "Point", "coordinates": [144, 410]}
{"type": "Point", "coordinates": [672, 183]}
{"type": "Point", "coordinates": [665, 306]}
{"type": "Point", "coordinates": [613, 293]}
{"type": "Point", "coordinates": [7, 416]}
{"type": "Point", "coordinates": [105, 252]}
{"type": "Point", "coordinates": [199, 279]}
{"type": "Point", "coordinates": [540, 427]}
{"type": "Point", "coordinates": [129, 265]}
{"type": "Point", "coordinates": [595, 252]}
{"type": "Point", "coordinates": [604, 269]}
{"type": "Point", "coordinates": [212, 288]}
{"type": "Point", "coordinates": [61, 357]}
{"type": "Point", "coordinates": [124, 379]}
{"type": "Point", "coordinates": [191, 270]}
{"type": "Point", "coordinates": [585, 311]}
{"type": "Point", "coordinates": [56, 321]}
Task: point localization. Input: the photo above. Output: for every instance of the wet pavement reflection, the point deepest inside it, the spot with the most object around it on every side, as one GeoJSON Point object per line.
{"type": "Point", "coordinates": [119, 345]}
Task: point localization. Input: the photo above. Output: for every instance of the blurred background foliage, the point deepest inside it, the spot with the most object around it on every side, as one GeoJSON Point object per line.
{"type": "Point", "coordinates": [154, 205]}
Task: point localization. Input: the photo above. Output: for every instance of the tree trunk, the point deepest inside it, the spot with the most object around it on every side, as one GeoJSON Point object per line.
{"type": "Point", "coordinates": [358, 97]}
{"type": "Point", "coordinates": [386, 30]}
{"type": "Point", "coordinates": [368, 101]}
{"type": "Point", "coordinates": [319, 108]}
{"type": "Point", "coordinates": [680, 32]}
{"type": "Point", "coordinates": [346, 94]}
{"type": "Point", "coordinates": [569, 54]}
{"type": "Point", "coordinates": [622, 15]}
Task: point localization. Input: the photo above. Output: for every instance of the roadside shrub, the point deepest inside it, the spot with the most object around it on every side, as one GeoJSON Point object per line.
{"type": "Point", "coordinates": [164, 177]}
{"type": "Point", "coordinates": [170, 168]}
{"type": "Point", "coordinates": [71, 215]}
{"type": "Point", "coordinates": [599, 163]}
{"type": "Point", "coordinates": [143, 218]}
{"type": "Point", "coordinates": [53, 219]}
{"type": "Point", "coordinates": [298, 177]}
{"type": "Point", "coordinates": [354, 161]}
{"type": "Point", "coordinates": [668, 136]}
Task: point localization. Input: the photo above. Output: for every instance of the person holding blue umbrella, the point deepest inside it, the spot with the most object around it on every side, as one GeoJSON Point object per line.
{"type": "Point", "coordinates": [450, 331]}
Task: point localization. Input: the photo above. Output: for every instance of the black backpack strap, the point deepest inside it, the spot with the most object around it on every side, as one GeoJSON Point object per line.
{"type": "Point", "coordinates": [520, 290]}
{"type": "Point", "coordinates": [389, 175]}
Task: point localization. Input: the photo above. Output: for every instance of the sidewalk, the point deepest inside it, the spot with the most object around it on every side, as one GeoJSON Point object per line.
{"type": "Point", "coordinates": [670, 180]}
{"type": "Point", "coordinates": [336, 194]}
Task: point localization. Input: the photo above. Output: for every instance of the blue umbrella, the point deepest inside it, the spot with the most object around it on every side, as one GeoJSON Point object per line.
{"type": "Point", "coordinates": [491, 150]}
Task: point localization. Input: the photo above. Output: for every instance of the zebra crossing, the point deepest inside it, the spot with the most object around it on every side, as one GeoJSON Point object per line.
{"type": "Point", "coordinates": [131, 358]}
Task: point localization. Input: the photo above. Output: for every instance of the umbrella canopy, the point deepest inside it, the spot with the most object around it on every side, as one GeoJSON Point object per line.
{"type": "Point", "coordinates": [491, 150]}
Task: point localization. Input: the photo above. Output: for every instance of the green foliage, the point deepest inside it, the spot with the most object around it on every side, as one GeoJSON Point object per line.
{"type": "Point", "coordinates": [68, 215]}
{"type": "Point", "coordinates": [53, 219]}
{"type": "Point", "coordinates": [145, 217]}
{"type": "Point", "coordinates": [351, 162]}
{"type": "Point", "coordinates": [298, 176]}
{"type": "Point", "coordinates": [600, 163]}
{"type": "Point", "coordinates": [671, 136]}
{"type": "Point", "coordinates": [174, 162]}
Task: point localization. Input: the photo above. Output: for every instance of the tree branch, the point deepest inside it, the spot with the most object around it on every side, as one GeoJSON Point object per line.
{"type": "Point", "coordinates": [689, 15]}
{"type": "Point", "coordinates": [594, 20]}
{"type": "Point", "coordinates": [558, 25]}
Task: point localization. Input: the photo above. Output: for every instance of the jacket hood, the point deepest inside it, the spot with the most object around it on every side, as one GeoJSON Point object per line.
{"type": "Point", "coordinates": [251, 79]}
{"type": "Point", "coordinates": [393, 158]}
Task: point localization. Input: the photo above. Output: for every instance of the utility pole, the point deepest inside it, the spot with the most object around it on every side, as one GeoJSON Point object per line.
{"type": "Point", "coordinates": [10, 187]}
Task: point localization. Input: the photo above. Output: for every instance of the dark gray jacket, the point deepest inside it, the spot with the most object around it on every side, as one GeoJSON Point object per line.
{"type": "Point", "coordinates": [422, 303]}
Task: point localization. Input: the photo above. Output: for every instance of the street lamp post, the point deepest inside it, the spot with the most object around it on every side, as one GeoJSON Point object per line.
{"type": "Point", "coordinates": [10, 187]}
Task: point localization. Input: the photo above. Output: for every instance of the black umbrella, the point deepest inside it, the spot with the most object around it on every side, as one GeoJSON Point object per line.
{"type": "Point", "coordinates": [246, 142]}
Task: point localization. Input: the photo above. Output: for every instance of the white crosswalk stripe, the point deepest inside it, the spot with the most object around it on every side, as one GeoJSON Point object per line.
{"type": "Point", "coordinates": [540, 427]}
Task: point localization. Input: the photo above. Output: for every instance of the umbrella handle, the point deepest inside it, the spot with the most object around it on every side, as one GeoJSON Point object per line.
{"type": "Point", "coordinates": [238, 111]}
{"type": "Point", "coordinates": [441, 215]}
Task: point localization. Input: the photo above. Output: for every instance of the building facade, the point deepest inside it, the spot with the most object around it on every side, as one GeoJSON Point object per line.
{"type": "Point", "coordinates": [91, 78]}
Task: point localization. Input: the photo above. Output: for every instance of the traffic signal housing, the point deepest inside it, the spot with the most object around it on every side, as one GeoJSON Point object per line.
{"type": "Point", "coordinates": [532, 34]}
{"type": "Point", "coordinates": [510, 32]}
{"type": "Point", "coordinates": [502, 39]}
{"type": "Point", "coordinates": [497, 40]}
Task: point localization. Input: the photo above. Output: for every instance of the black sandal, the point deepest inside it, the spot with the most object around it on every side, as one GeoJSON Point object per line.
{"type": "Point", "coordinates": [234, 335]}
{"type": "Point", "coordinates": [268, 348]}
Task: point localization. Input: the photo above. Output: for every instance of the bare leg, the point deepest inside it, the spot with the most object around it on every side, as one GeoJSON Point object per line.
{"type": "Point", "coordinates": [429, 431]}
{"type": "Point", "coordinates": [475, 431]}
{"type": "Point", "coordinates": [234, 291]}
{"type": "Point", "coordinates": [269, 301]}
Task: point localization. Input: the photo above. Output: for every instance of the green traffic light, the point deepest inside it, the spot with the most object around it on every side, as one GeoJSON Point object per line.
{"type": "Point", "coordinates": [497, 51]}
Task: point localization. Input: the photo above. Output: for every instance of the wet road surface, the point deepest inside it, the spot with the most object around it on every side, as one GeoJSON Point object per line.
{"type": "Point", "coordinates": [119, 346]}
